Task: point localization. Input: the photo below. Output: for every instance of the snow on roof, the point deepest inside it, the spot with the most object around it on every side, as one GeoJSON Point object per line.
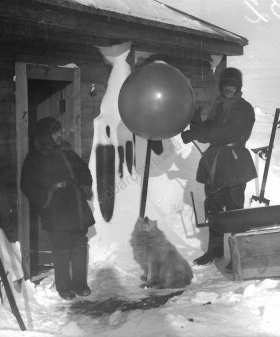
{"type": "Point", "coordinates": [156, 11]}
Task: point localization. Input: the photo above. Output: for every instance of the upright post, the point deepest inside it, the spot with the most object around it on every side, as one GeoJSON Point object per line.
{"type": "Point", "coordinates": [145, 179]}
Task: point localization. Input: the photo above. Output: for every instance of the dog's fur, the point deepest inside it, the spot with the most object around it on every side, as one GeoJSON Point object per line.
{"type": "Point", "coordinates": [162, 264]}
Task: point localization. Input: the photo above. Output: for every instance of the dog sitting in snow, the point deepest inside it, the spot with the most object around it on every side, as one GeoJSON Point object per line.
{"type": "Point", "coordinates": [162, 264]}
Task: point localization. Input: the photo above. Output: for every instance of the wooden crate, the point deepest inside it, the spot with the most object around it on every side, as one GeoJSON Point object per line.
{"type": "Point", "coordinates": [256, 254]}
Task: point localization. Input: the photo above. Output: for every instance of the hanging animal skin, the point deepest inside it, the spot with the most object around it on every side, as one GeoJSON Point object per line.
{"type": "Point", "coordinates": [105, 173]}
{"type": "Point", "coordinates": [121, 160]}
{"type": "Point", "coordinates": [129, 155]}
{"type": "Point", "coordinates": [110, 134]}
{"type": "Point", "coordinates": [157, 147]}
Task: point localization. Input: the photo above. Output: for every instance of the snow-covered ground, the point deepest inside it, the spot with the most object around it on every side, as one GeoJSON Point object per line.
{"type": "Point", "coordinates": [214, 304]}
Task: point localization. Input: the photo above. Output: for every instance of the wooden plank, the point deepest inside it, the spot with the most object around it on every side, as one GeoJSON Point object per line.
{"type": "Point", "coordinates": [90, 74]}
{"type": "Point", "coordinates": [48, 72]}
{"type": "Point", "coordinates": [7, 68]}
{"type": "Point", "coordinates": [87, 125]}
{"type": "Point", "coordinates": [203, 94]}
{"type": "Point", "coordinates": [7, 95]}
{"type": "Point", "coordinates": [201, 80]}
{"type": "Point", "coordinates": [7, 110]}
{"type": "Point", "coordinates": [6, 83]}
{"type": "Point", "coordinates": [7, 142]}
{"type": "Point", "coordinates": [67, 119]}
{"type": "Point", "coordinates": [255, 254]}
{"type": "Point", "coordinates": [77, 117]}
{"type": "Point", "coordinates": [199, 68]}
{"type": "Point", "coordinates": [90, 110]}
{"type": "Point", "coordinates": [22, 150]}
{"type": "Point", "coordinates": [185, 43]}
{"type": "Point", "coordinates": [58, 53]}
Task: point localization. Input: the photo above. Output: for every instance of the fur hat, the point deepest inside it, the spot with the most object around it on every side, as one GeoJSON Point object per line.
{"type": "Point", "coordinates": [230, 76]}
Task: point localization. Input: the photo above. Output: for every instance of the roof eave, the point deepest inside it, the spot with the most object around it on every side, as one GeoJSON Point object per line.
{"type": "Point", "coordinates": [130, 18]}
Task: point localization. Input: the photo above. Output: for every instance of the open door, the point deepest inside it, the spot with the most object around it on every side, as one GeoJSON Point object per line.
{"type": "Point", "coordinates": [42, 91]}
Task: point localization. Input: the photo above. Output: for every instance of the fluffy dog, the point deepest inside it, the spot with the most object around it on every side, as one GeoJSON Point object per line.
{"type": "Point", "coordinates": [162, 264]}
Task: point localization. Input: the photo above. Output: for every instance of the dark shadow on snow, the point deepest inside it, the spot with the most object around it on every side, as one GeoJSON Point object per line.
{"type": "Point", "coordinates": [98, 308]}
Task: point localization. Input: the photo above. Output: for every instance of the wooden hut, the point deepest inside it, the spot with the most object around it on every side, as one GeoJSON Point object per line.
{"type": "Point", "coordinates": [50, 65]}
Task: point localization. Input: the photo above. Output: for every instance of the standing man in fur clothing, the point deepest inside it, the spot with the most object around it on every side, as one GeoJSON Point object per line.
{"type": "Point", "coordinates": [59, 182]}
{"type": "Point", "coordinates": [226, 166]}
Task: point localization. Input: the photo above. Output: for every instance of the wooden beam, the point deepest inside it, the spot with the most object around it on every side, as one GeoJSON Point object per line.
{"type": "Point", "coordinates": [49, 73]}
{"type": "Point", "coordinates": [77, 114]}
{"type": "Point", "coordinates": [22, 150]}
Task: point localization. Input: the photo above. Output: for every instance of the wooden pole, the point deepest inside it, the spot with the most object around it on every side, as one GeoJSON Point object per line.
{"type": "Point", "coordinates": [261, 198]}
{"type": "Point", "coordinates": [22, 146]}
{"type": "Point", "coordinates": [145, 179]}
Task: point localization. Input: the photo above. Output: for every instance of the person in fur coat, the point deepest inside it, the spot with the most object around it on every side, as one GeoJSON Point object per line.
{"type": "Point", "coordinates": [58, 182]}
{"type": "Point", "coordinates": [226, 166]}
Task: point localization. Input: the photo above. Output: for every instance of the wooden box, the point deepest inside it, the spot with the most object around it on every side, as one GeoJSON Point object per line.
{"type": "Point", "coordinates": [256, 253]}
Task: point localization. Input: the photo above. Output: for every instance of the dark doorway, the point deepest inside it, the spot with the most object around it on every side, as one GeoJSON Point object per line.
{"type": "Point", "coordinates": [45, 99]}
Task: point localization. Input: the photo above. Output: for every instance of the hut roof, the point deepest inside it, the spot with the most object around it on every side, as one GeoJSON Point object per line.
{"type": "Point", "coordinates": [151, 12]}
{"type": "Point", "coordinates": [148, 24]}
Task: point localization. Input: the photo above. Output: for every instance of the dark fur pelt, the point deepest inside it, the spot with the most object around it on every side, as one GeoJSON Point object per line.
{"type": "Point", "coordinates": [162, 264]}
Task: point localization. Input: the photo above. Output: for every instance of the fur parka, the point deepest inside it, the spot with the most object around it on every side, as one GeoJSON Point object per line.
{"type": "Point", "coordinates": [57, 181]}
{"type": "Point", "coordinates": [227, 162]}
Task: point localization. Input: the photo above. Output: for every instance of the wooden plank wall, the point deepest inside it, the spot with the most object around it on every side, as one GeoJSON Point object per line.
{"type": "Point", "coordinates": [8, 201]}
{"type": "Point", "coordinates": [203, 81]}
{"type": "Point", "coordinates": [93, 87]}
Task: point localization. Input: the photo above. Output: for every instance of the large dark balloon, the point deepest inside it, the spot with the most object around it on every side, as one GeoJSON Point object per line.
{"type": "Point", "coordinates": [156, 101]}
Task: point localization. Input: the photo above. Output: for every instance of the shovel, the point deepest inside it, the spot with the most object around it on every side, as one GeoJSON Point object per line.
{"type": "Point", "coordinates": [261, 198]}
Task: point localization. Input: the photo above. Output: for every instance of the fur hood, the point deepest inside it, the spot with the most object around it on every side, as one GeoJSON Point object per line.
{"type": "Point", "coordinates": [43, 141]}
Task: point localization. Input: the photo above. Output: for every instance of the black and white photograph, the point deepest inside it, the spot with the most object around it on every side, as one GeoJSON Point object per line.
{"type": "Point", "coordinates": [139, 168]}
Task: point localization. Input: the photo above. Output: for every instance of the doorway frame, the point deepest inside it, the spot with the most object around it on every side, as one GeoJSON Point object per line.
{"type": "Point", "coordinates": [24, 72]}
